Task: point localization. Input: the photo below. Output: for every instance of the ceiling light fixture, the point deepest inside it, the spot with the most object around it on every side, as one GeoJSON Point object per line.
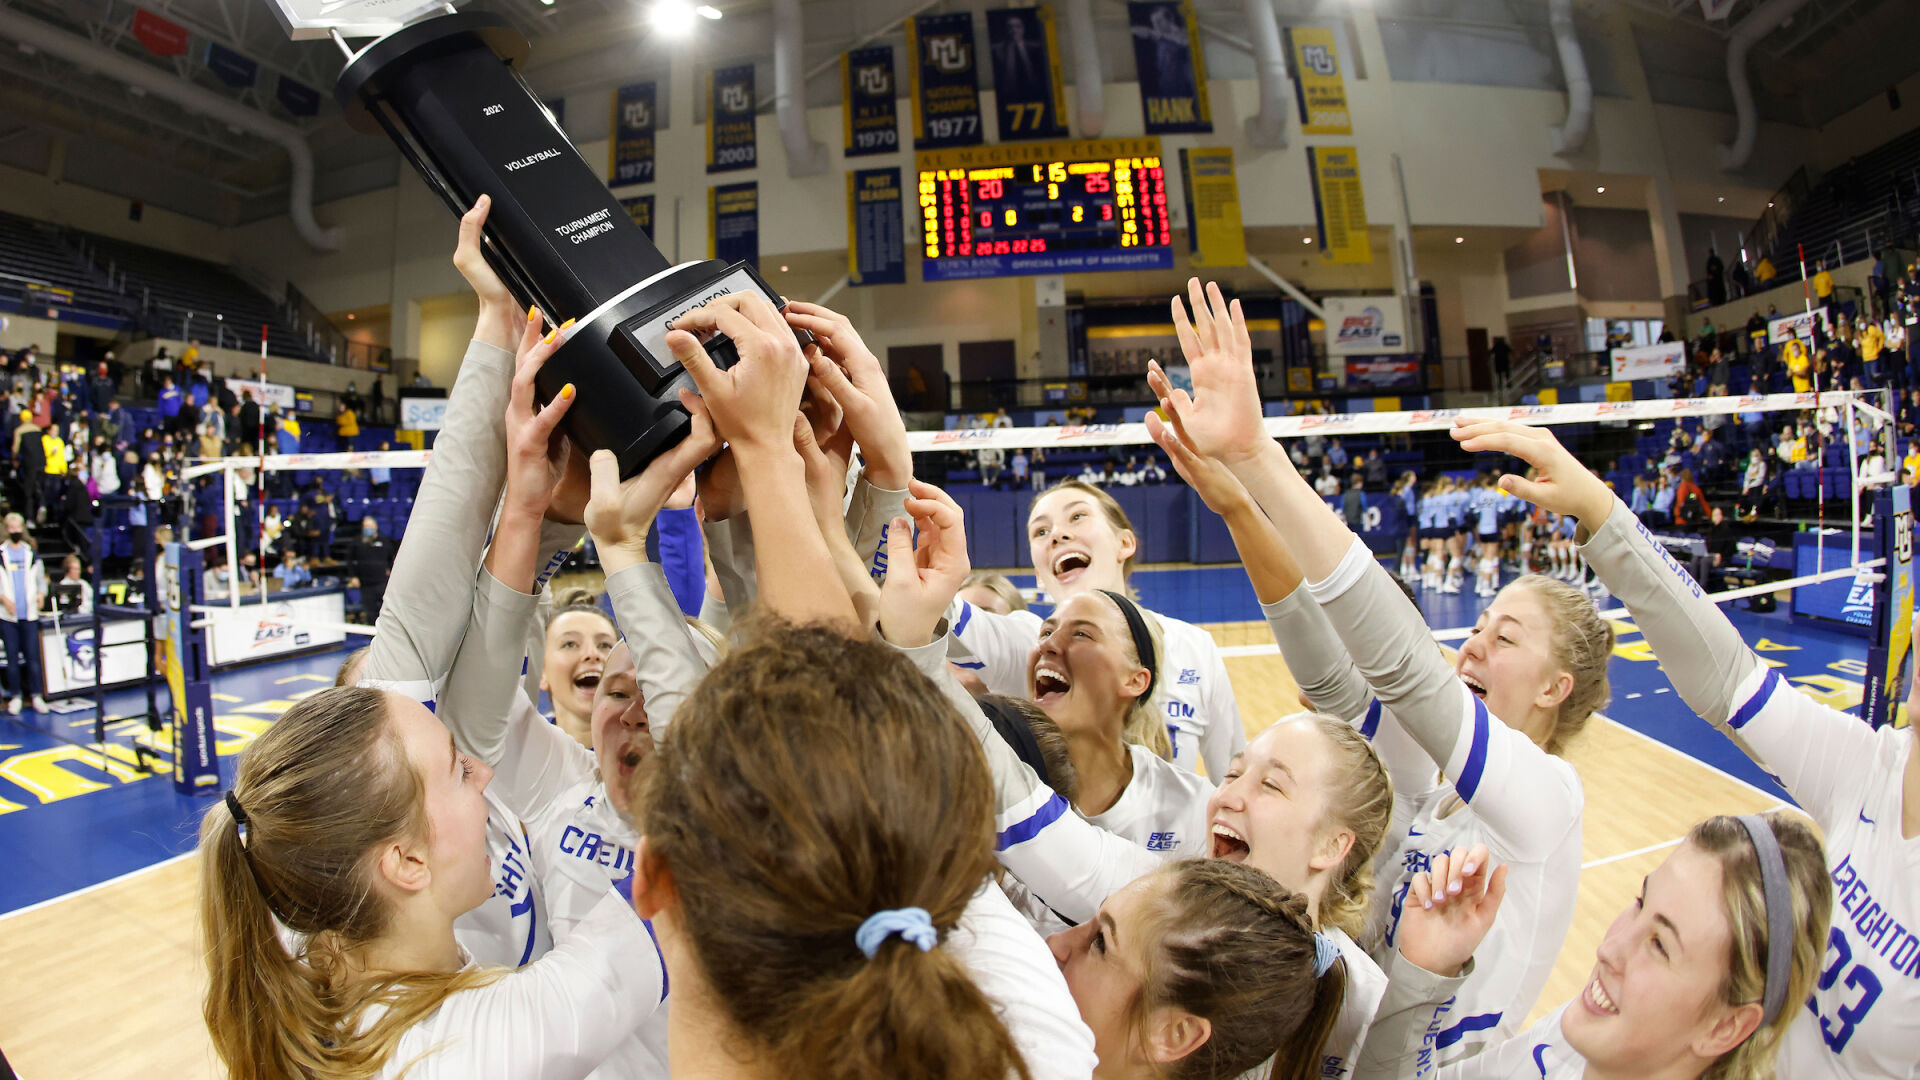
{"type": "Point", "coordinates": [1306, 239]}
{"type": "Point", "coordinates": [1601, 190]}
{"type": "Point", "coordinates": [707, 11]}
{"type": "Point", "coordinates": [1459, 239]}
{"type": "Point", "coordinates": [673, 18]}
{"type": "Point", "coordinates": [351, 316]}
{"type": "Point", "coordinates": [783, 269]}
{"type": "Point", "coordinates": [1720, 198]}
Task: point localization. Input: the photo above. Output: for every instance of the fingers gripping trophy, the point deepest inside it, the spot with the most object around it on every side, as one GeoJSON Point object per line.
{"type": "Point", "coordinates": [446, 90]}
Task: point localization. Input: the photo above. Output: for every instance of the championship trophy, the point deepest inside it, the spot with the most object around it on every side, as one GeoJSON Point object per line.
{"type": "Point", "coordinates": [446, 91]}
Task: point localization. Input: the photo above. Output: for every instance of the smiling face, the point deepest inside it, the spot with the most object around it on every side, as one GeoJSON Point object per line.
{"type": "Point", "coordinates": [455, 840]}
{"type": "Point", "coordinates": [1104, 961]}
{"type": "Point", "coordinates": [1270, 810]}
{"type": "Point", "coordinates": [1508, 662]}
{"type": "Point", "coordinates": [577, 647]}
{"type": "Point", "coordinates": [1082, 672]}
{"type": "Point", "coordinates": [621, 739]}
{"type": "Point", "coordinates": [1654, 996]}
{"type": "Point", "coordinates": [1074, 545]}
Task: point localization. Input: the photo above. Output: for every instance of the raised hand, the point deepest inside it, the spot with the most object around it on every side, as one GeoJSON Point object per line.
{"type": "Point", "coordinates": [619, 515]}
{"type": "Point", "coordinates": [1221, 418]}
{"type": "Point", "coordinates": [851, 372]}
{"type": "Point", "coordinates": [923, 577]}
{"type": "Point", "coordinates": [1560, 484]}
{"type": "Point", "coordinates": [499, 312]}
{"type": "Point", "coordinates": [1449, 908]}
{"type": "Point", "coordinates": [536, 451]}
{"type": "Point", "coordinates": [753, 402]}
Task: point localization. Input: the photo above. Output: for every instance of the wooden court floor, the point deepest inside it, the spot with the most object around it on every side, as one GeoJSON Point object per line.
{"type": "Point", "coordinates": [108, 983]}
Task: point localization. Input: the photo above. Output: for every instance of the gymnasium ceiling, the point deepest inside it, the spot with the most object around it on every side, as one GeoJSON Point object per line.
{"type": "Point", "coordinates": [92, 131]}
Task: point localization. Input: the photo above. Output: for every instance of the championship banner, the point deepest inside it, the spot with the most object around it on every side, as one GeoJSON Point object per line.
{"type": "Point", "coordinates": [1317, 84]}
{"type": "Point", "coordinates": [296, 97]}
{"type": "Point", "coordinates": [1383, 373]}
{"type": "Point", "coordinates": [640, 209]}
{"type": "Point", "coordinates": [733, 223]}
{"type": "Point", "coordinates": [1787, 327]}
{"type": "Point", "coordinates": [1215, 235]}
{"type": "Point", "coordinates": [1365, 325]}
{"type": "Point", "coordinates": [1172, 69]}
{"type": "Point", "coordinates": [231, 68]}
{"type": "Point", "coordinates": [162, 37]}
{"type": "Point", "coordinates": [944, 87]}
{"type": "Point", "coordinates": [1649, 361]}
{"type": "Point", "coordinates": [867, 107]}
{"type": "Point", "coordinates": [1338, 203]}
{"type": "Point", "coordinates": [1031, 99]}
{"type": "Point", "coordinates": [730, 123]}
{"type": "Point", "coordinates": [876, 229]}
{"type": "Point", "coordinates": [630, 154]}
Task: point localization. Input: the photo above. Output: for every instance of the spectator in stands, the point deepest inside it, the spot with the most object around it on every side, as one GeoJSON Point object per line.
{"type": "Point", "coordinates": [1022, 467]}
{"type": "Point", "coordinates": [1741, 280]}
{"type": "Point", "coordinates": [73, 593]}
{"type": "Point", "coordinates": [271, 526]}
{"type": "Point", "coordinates": [1753, 485]}
{"type": "Point", "coordinates": [1822, 282]}
{"type": "Point", "coordinates": [1879, 286]}
{"type": "Point", "coordinates": [1039, 467]}
{"type": "Point", "coordinates": [350, 398]}
{"type": "Point", "coordinates": [29, 463]}
{"type": "Point", "coordinates": [1641, 499]}
{"type": "Point", "coordinates": [1716, 278]}
{"type": "Point", "coordinates": [1660, 511]}
{"type": "Point", "coordinates": [377, 400]}
{"type": "Point", "coordinates": [54, 486]}
{"type": "Point", "coordinates": [1502, 356]}
{"type": "Point", "coordinates": [305, 529]}
{"type": "Point", "coordinates": [1353, 505]}
{"type": "Point", "coordinates": [1799, 363]}
{"type": "Point", "coordinates": [191, 357]}
{"type": "Point", "coordinates": [1152, 472]}
{"type": "Point", "coordinates": [211, 445]}
{"type": "Point", "coordinates": [1093, 473]}
{"type": "Point", "coordinates": [249, 417]}
{"type": "Point", "coordinates": [171, 401]}
{"type": "Point", "coordinates": [1719, 373]}
{"type": "Point", "coordinates": [1689, 502]}
{"type": "Point", "coordinates": [23, 594]}
{"type": "Point", "coordinates": [1336, 455]}
{"type": "Point", "coordinates": [292, 573]}
{"type": "Point", "coordinates": [1713, 455]}
{"type": "Point", "coordinates": [1374, 471]}
{"type": "Point", "coordinates": [369, 561]}
{"type": "Point", "coordinates": [111, 425]}
{"type": "Point", "coordinates": [992, 462]}
{"type": "Point", "coordinates": [346, 421]}
{"type": "Point", "coordinates": [1765, 272]}
{"type": "Point", "coordinates": [379, 477]}
{"type": "Point", "coordinates": [1910, 470]}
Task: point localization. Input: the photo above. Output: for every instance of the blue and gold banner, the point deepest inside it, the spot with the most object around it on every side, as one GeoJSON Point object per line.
{"type": "Point", "coordinates": [945, 90]}
{"type": "Point", "coordinates": [876, 229]}
{"type": "Point", "coordinates": [733, 223]}
{"type": "Point", "coordinates": [1339, 204]}
{"type": "Point", "coordinates": [630, 155]}
{"type": "Point", "coordinates": [1318, 86]}
{"type": "Point", "coordinates": [237, 71]}
{"type": "Point", "coordinates": [1173, 71]}
{"type": "Point", "coordinates": [730, 143]}
{"type": "Point", "coordinates": [1028, 92]}
{"type": "Point", "coordinates": [1215, 235]}
{"type": "Point", "coordinates": [867, 108]}
{"type": "Point", "coordinates": [640, 209]}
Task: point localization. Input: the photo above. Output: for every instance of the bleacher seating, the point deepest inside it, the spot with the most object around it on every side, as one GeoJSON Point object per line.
{"type": "Point", "coordinates": [1877, 192]}
{"type": "Point", "coordinates": [190, 298]}
{"type": "Point", "coordinates": [34, 252]}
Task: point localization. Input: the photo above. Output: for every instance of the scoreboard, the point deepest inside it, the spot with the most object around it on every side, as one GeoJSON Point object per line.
{"type": "Point", "coordinates": [1044, 208]}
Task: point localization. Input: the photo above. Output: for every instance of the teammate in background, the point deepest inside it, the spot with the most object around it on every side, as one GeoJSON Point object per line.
{"type": "Point", "coordinates": [992, 592]}
{"type": "Point", "coordinates": [1433, 531]}
{"type": "Point", "coordinates": [1486, 512]}
{"type": "Point", "coordinates": [1080, 541]}
{"type": "Point", "coordinates": [1407, 490]}
{"type": "Point", "coordinates": [578, 637]}
{"type": "Point", "coordinates": [1459, 524]}
{"type": "Point", "coordinates": [1861, 786]}
{"type": "Point", "coordinates": [1536, 661]}
{"type": "Point", "coordinates": [1681, 989]}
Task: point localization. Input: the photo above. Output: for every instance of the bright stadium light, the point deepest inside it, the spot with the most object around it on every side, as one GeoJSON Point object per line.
{"type": "Point", "coordinates": [1600, 190]}
{"type": "Point", "coordinates": [706, 11]}
{"type": "Point", "coordinates": [673, 18]}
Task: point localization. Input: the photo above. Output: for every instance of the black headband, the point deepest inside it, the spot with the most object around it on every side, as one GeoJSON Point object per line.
{"type": "Point", "coordinates": [1142, 639]}
{"type": "Point", "coordinates": [1016, 733]}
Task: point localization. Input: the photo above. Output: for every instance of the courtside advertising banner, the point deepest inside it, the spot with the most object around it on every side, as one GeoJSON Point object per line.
{"type": "Point", "coordinates": [1173, 71]}
{"type": "Point", "coordinates": [733, 223]}
{"type": "Point", "coordinates": [70, 654]}
{"type": "Point", "coordinates": [630, 156]}
{"type": "Point", "coordinates": [1028, 92]}
{"type": "Point", "coordinates": [1215, 236]}
{"type": "Point", "coordinates": [1784, 328]}
{"type": "Point", "coordinates": [1649, 361]}
{"type": "Point", "coordinates": [272, 393]}
{"type": "Point", "coordinates": [945, 90]}
{"type": "Point", "coordinates": [1365, 326]}
{"type": "Point", "coordinates": [1318, 86]}
{"type": "Point", "coordinates": [869, 116]}
{"type": "Point", "coordinates": [255, 630]}
{"type": "Point", "coordinates": [640, 209]}
{"type": "Point", "coordinates": [1339, 205]}
{"type": "Point", "coordinates": [423, 413]}
{"type": "Point", "coordinates": [1893, 621]}
{"type": "Point", "coordinates": [876, 228]}
{"type": "Point", "coordinates": [730, 124]}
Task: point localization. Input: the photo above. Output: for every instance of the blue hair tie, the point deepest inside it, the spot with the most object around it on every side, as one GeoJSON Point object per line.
{"type": "Point", "coordinates": [913, 924]}
{"type": "Point", "coordinates": [1325, 952]}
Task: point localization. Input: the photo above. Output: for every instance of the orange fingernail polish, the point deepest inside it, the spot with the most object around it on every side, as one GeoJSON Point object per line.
{"type": "Point", "coordinates": [566, 324]}
{"type": "Point", "coordinates": [551, 334]}
{"type": "Point", "coordinates": [566, 391]}
{"type": "Point", "coordinates": [532, 313]}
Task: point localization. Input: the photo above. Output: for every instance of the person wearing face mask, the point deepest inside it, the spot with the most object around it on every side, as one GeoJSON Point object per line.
{"type": "Point", "coordinates": [23, 595]}
{"type": "Point", "coordinates": [369, 562]}
{"type": "Point", "coordinates": [1473, 748]}
{"type": "Point", "coordinates": [1080, 541]}
{"type": "Point", "coordinates": [1860, 785]}
{"type": "Point", "coordinates": [1700, 978]}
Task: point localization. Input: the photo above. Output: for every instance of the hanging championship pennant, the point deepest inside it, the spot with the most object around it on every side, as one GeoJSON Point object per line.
{"type": "Point", "coordinates": [162, 37]}
{"type": "Point", "coordinates": [1317, 83]}
{"type": "Point", "coordinates": [630, 156]}
{"type": "Point", "coordinates": [1026, 73]}
{"type": "Point", "coordinates": [730, 142]}
{"type": "Point", "coordinates": [640, 209]}
{"type": "Point", "coordinates": [733, 223]}
{"type": "Point", "coordinates": [946, 95]}
{"type": "Point", "coordinates": [1215, 236]}
{"type": "Point", "coordinates": [237, 71]}
{"type": "Point", "coordinates": [1173, 71]}
{"type": "Point", "coordinates": [1338, 203]}
{"type": "Point", "coordinates": [867, 103]}
{"type": "Point", "coordinates": [297, 98]}
{"type": "Point", "coordinates": [876, 230]}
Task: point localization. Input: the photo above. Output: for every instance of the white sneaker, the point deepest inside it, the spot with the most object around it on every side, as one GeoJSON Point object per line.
{"type": "Point", "coordinates": [40, 704]}
{"type": "Point", "coordinates": [13, 707]}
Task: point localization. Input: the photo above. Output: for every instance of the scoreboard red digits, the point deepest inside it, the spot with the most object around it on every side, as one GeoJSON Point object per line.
{"type": "Point", "coordinates": [1079, 213]}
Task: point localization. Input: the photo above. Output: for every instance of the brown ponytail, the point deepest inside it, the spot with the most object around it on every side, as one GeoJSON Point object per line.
{"type": "Point", "coordinates": [320, 791]}
{"type": "Point", "coordinates": [1236, 948]}
{"type": "Point", "coordinates": [809, 782]}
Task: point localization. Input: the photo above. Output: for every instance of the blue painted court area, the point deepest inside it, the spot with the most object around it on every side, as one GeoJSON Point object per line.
{"type": "Point", "coordinates": [71, 817]}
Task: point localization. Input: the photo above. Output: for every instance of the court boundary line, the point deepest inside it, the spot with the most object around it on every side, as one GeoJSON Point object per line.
{"type": "Point", "coordinates": [1663, 845]}
{"type": "Point", "coordinates": [97, 886]}
{"type": "Point", "coordinates": [1715, 769]}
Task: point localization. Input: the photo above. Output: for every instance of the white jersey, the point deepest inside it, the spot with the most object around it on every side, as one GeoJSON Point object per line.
{"type": "Point", "coordinates": [1366, 985]}
{"type": "Point", "coordinates": [1016, 971]}
{"type": "Point", "coordinates": [510, 928]}
{"type": "Point", "coordinates": [1163, 808]}
{"type": "Point", "coordinates": [1863, 1019]}
{"type": "Point", "coordinates": [1203, 719]}
{"type": "Point", "coordinates": [556, 1018]}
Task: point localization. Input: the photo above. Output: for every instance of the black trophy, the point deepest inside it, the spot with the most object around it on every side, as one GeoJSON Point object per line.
{"type": "Point", "coordinates": [447, 92]}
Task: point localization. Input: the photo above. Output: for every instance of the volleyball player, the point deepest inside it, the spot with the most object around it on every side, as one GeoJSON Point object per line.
{"type": "Point", "coordinates": [1536, 661]}
{"type": "Point", "coordinates": [1408, 491]}
{"type": "Point", "coordinates": [578, 636]}
{"type": "Point", "coordinates": [1433, 532]}
{"type": "Point", "coordinates": [1306, 802]}
{"type": "Point", "coordinates": [1860, 785]}
{"type": "Point", "coordinates": [1486, 514]}
{"type": "Point", "coordinates": [1700, 978]}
